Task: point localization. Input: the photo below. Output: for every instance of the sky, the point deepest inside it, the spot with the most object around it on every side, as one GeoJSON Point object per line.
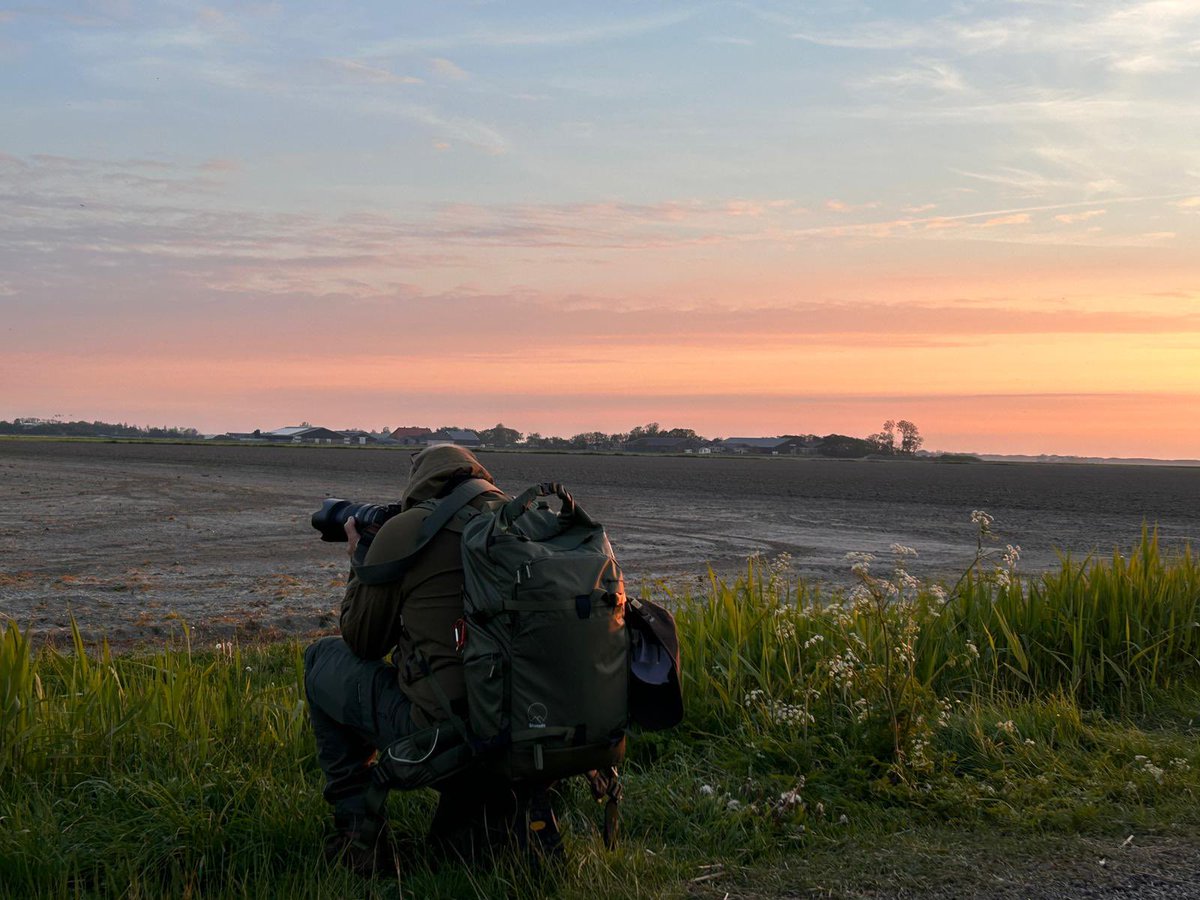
{"type": "Point", "coordinates": [746, 218]}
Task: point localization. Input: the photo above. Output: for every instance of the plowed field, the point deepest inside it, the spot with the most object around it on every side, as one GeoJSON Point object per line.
{"type": "Point", "coordinates": [134, 539]}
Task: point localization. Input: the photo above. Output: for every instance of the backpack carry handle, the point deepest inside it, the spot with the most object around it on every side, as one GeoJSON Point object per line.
{"type": "Point", "coordinates": [522, 503]}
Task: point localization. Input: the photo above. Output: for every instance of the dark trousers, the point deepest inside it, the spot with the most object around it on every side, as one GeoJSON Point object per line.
{"type": "Point", "coordinates": [356, 707]}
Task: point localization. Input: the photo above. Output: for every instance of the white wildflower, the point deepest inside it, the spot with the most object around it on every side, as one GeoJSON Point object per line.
{"type": "Point", "coordinates": [862, 598]}
{"type": "Point", "coordinates": [791, 714]}
{"type": "Point", "coordinates": [1180, 763]}
{"type": "Point", "coordinates": [1030, 742]}
{"type": "Point", "coordinates": [707, 790]}
{"type": "Point", "coordinates": [937, 592]}
{"type": "Point", "coordinates": [1149, 768]}
{"type": "Point", "coordinates": [815, 639]}
{"type": "Point", "coordinates": [864, 709]}
{"type": "Point", "coordinates": [733, 805]}
{"type": "Point", "coordinates": [1011, 555]}
{"type": "Point", "coordinates": [1003, 578]}
{"type": "Point", "coordinates": [860, 562]}
{"type": "Point", "coordinates": [785, 626]}
{"type": "Point", "coordinates": [1008, 727]}
{"type": "Point", "coordinates": [789, 800]}
{"type": "Point", "coordinates": [781, 565]}
{"type": "Point", "coordinates": [755, 696]}
{"type": "Point", "coordinates": [945, 707]}
{"type": "Point", "coordinates": [901, 550]}
{"type": "Point", "coordinates": [843, 669]}
{"type": "Point", "coordinates": [972, 649]}
{"type": "Point", "coordinates": [982, 519]}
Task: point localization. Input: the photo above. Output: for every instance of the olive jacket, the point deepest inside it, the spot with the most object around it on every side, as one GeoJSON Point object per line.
{"type": "Point", "coordinates": [414, 616]}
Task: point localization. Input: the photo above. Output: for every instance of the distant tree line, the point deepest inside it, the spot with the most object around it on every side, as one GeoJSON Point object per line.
{"type": "Point", "coordinates": [901, 438]}
{"type": "Point", "coordinates": [897, 438]}
{"type": "Point", "coordinates": [885, 441]}
{"type": "Point", "coordinates": [55, 428]}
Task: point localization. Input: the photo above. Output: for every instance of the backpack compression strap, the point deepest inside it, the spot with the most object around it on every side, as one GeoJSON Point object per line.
{"type": "Point", "coordinates": [447, 508]}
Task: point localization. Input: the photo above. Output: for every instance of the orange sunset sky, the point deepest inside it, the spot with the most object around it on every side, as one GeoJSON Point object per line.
{"type": "Point", "coordinates": [746, 219]}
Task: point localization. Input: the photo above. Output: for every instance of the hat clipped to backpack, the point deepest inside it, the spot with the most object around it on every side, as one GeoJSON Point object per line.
{"type": "Point", "coordinates": [655, 696]}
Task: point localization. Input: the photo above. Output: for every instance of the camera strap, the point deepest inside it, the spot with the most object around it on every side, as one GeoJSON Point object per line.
{"type": "Point", "coordinates": [447, 508]}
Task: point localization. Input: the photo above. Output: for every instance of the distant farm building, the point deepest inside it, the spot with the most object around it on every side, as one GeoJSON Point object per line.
{"type": "Point", "coordinates": [772, 446]}
{"type": "Point", "coordinates": [412, 436]}
{"type": "Point", "coordinates": [663, 445]}
{"type": "Point", "coordinates": [303, 434]}
{"type": "Point", "coordinates": [358, 436]}
{"type": "Point", "coordinates": [461, 436]}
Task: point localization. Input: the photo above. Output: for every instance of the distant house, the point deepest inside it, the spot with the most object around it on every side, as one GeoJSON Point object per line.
{"type": "Point", "coordinates": [303, 434]}
{"type": "Point", "coordinates": [663, 445]}
{"type": "Point", "coordinates": [772, 446]}
{"type": "Point", "coordinates": [461, 436]}
{"type": "Point", "coordinates": [358, 436]}
{"type": "Point", "coordinates": [411, 436]}
{"type": "Point", "coordinates": [804, 446]}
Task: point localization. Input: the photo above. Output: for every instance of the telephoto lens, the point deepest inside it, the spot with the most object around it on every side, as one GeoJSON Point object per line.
{"type": "Point", "coordinates": [331, 518]}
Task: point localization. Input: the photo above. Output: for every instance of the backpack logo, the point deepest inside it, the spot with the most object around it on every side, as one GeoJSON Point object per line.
{"type": "Point", "coordinates": [537, 715]}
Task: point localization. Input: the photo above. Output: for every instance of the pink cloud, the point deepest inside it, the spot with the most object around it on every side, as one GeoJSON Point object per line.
{"type": "Point", "coordinates": [1014, 219]}
{"type": "Point", "coordinates": [1072, 218]}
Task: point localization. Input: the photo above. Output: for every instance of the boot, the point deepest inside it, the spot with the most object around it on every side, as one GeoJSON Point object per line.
{"type": "Point", "coordinates": [474, 820]}
{"type": "Point", "coordinates": [362, 845]}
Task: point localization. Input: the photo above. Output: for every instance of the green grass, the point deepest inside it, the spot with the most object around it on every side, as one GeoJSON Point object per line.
{"type": "Point", "coordinates": [821, 728]}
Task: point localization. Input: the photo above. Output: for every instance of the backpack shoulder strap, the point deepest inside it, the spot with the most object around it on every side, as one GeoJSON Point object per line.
{"type": "Point", "coordinates": [442, 513]}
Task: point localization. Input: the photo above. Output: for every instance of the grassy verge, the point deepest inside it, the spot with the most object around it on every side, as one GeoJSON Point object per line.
{"type": "Point", "coordinates": [986, 737]}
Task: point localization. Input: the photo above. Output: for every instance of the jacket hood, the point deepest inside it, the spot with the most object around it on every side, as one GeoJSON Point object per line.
{"type": "Point", "coordinates": [435, 467]}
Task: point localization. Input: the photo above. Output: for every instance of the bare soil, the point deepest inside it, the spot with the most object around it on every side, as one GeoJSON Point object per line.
{"type": "Point", "coordinates": [135, 539]}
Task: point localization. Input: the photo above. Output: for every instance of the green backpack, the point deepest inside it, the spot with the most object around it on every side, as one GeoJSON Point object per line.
{"type": "Point", "coordinates": [545, 653]}
{"type": "Point", "coordinates": [543, 640]}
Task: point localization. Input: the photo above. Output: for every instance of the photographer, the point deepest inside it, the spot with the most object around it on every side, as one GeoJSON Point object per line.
{"type": "Point", "coordinates": [358, 702]}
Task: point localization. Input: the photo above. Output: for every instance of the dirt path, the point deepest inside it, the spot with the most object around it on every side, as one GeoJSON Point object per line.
{"type": "Point", "coordinates": [940, 864]}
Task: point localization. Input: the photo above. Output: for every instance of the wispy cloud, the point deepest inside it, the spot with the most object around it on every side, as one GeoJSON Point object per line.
{"type": "Point", "coordinates": [220, 165]}
{"type": "Point", "coordinates": [444, 68]}
{"type": "Point", "coordinates": [935, 75]}
{"type": "Point", "coordinates": [840, 206]}
{"type": "Point", "coordinates": [1150, 36]}
{"type": "Point", "coordinates": [1083, 216]}
{"type": "Point", "coordinates": [1014, 219]}
{"type": "Point", "coordinates": [353, 70]}
{"type": "Point", "coordinates": [543, 35]}
{"type": "Point", "coordinates": [869, 36]}
{"type": "Point", "coordinates": [1034, 184]}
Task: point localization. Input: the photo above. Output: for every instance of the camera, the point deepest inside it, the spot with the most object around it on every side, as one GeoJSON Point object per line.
{"type": "Point", "coordinates": [331, 518]}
